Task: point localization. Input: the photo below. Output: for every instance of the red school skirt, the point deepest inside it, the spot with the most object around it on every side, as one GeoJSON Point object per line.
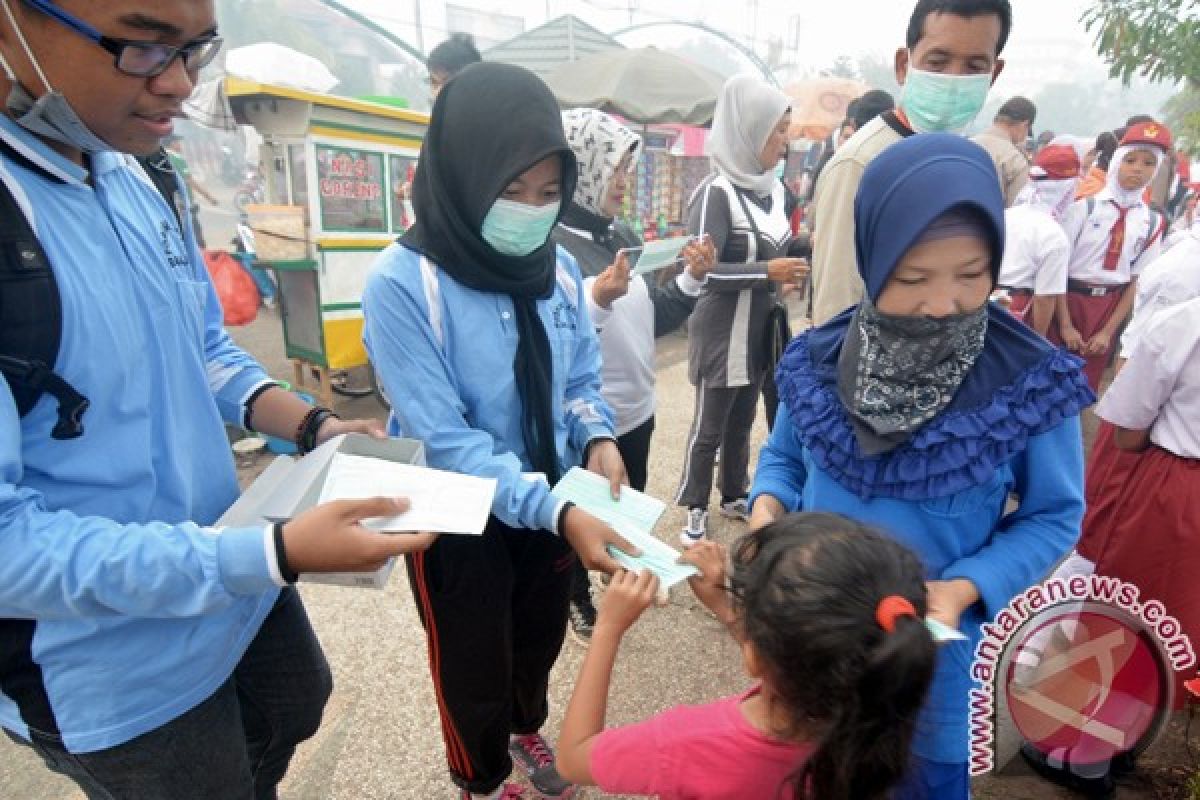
{"type": "Point", "coordinates": [1143, 526]}
{"type": "Point", "coordinates": [1088, 315]}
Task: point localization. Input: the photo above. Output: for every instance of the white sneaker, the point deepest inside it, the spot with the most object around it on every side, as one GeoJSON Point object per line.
{"type": "Point", "coordinates": [696, 528]}
{"type": "Point", "coordinates": [735, 509]}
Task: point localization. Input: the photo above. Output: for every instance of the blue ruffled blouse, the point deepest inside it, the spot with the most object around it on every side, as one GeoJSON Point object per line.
{"type": "Point", "coordinates": [945, 493]}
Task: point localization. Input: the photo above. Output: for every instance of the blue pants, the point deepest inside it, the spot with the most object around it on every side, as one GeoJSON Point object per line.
{"type": "Point", "coordinates": [236, 745]}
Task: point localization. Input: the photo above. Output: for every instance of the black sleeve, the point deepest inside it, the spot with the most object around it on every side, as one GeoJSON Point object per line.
{"type": "Point", "coordinates": [671, 306]}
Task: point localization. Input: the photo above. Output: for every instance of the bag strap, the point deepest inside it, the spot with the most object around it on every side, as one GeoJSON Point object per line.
{"type": "Point", "coordinates": [162, 174]}
{"type": "Point", "coordinates": [31, 322]}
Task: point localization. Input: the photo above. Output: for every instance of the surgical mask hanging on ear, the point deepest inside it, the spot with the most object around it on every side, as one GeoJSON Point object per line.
{"type": "Point", "coordinates": [50, 115]}
{"type": "Point", "coordinates": [517, 229]}
{"type": "Point", "coordinates": [937, 103]}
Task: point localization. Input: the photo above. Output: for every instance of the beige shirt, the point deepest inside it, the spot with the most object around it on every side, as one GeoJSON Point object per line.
{"type": "Point", "coordinates": [835, 280]}
{"type": "Point", "coordinates": [1010, 162]}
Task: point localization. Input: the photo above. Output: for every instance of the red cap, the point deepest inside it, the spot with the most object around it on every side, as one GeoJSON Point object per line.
{"type": "Point", "coordinates": [1059, 162]}
{"type": "Point", "coordinates": [1154, 133]}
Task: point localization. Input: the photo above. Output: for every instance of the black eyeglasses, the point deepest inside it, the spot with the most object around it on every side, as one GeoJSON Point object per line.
{"type": "Point", "coordinates": [138, 58]}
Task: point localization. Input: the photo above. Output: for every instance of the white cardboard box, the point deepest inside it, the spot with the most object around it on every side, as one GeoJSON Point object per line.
{"type": "Point", "coordinates": [290, 486]}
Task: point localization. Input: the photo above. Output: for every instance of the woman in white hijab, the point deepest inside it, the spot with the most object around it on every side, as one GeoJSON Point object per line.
{"type": "Point", "coordinates": [735, 333]}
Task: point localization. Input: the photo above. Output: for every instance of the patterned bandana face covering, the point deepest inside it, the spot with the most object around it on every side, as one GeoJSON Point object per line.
{"type": "Point", "coordinates": [896, 373]}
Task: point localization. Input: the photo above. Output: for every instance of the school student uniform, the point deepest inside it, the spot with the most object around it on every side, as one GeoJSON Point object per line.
{"type": "Point", "coordinates": [1170, 281]}
{"type": "Point", "coordinates": [1113, 236]}
{"type": "Point", "coordinates": [1036, 249]}
{"type": "Point", "coordinates": [1151, 537]}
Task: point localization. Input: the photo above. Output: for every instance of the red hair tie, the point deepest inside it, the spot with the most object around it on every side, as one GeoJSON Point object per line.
{"type": "Point", "coordinates": [890, 608]}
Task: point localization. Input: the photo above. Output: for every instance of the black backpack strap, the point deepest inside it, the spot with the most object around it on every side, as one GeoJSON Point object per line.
{"type": "Point", "coordinates": [162, 174]}
{"type": "Point", "coordinates": [31, 322]}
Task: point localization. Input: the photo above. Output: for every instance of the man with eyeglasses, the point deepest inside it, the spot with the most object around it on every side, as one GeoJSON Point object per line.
{"type": "Point", "coordinates": [143, 653]}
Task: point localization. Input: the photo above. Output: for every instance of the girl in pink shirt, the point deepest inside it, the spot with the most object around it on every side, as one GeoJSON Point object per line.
{"type": "Point", "coordinates": [829, 616]}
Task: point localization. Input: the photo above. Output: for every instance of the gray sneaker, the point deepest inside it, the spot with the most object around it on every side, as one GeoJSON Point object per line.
{"type": "Point", "coordinates": [735, 509]}
{"type": "Point", "coordinates": [696, 528]}
{"type": "Point", "coordinates": [532, 754]}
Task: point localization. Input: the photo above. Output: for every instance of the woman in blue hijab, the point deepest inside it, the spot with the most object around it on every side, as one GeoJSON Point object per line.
{"type": "Point", "coordinates": [924, 408]}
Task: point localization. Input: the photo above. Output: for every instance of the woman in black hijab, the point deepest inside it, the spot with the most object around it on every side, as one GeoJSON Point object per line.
{"type": "Point", "coordinates": [481, 335]}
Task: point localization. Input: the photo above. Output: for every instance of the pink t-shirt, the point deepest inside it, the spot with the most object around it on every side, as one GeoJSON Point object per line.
{"type": "Point", "coordinates": [704, 752]}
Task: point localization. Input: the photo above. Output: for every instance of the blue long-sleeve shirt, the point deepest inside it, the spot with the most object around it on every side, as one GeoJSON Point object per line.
{"type": "Point", "coordinates": [964, 535]}
{"type": "Point", "coordinates": [445, 355]}
{"type": "Point", "coordinates": [140, 610]}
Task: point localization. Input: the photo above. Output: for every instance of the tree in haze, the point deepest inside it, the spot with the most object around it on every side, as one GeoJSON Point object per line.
{"type": "Point", "coordinates": [878, 73]}
{"type": "Point", "coordinates": [1158, 39]}
{"type": "Point", "coordinates": [1154, 38]}
{"type": "Point", "coordinates": [843, 67]}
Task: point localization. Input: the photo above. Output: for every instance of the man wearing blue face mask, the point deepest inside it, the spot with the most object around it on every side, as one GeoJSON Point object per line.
{"type": "Point", "coordinates": [144, 653]}
{"type": "Point", "coordinates": [951, 59]}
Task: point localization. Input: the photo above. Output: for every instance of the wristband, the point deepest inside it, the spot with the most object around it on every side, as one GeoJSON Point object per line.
{"type": "Point", "coordinates": [310, 425]}
{"type": "Point", "coordinates": [248, 415]}
{"type": "Point", "coordinates": [285, 572]}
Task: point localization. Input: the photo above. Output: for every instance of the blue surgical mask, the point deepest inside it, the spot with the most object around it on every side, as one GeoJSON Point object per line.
{"type": "Point", "coordinates": [781, 169]}
{"type": "Point", "coordinates": [517, 229]}
{"type": "Point", "coordinates": [937, 103]}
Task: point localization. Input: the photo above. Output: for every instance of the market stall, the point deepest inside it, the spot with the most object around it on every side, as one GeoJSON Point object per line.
{"type": "Point", "coordinates": [337, 176]}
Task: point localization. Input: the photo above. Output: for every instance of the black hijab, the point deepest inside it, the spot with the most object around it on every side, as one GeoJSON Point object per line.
{"type": "Point", "coordinates": [491, 123]}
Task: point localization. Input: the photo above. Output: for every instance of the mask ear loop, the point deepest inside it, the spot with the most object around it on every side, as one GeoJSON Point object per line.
{"type": "Point", "coordinates": [12, 20]}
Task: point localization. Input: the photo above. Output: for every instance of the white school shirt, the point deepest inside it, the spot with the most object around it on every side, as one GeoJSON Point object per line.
{"type": "Point", "coordinates": [1171, 279]}
{"type": "Point", "coordinates": [1159, 388]}
{"type": "Point", "coordinates": [1089, 235]}
{"type": "Point", "coordinates": [1036, 252]}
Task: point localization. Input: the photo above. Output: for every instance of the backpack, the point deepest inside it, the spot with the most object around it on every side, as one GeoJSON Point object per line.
{"type": "Point", "coordinates": [31, 308]}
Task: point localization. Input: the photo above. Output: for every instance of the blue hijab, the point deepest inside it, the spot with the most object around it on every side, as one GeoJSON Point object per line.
{"type": "Point", "coordinates": [1018, 387]}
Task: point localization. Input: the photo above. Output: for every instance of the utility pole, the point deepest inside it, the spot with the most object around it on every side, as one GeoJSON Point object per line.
{"type": "Point", "coordinates": [417, 24]}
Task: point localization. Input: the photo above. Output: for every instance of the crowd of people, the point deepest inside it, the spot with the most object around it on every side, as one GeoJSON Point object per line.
{"type": "Point", "coordinates": [925, 458]}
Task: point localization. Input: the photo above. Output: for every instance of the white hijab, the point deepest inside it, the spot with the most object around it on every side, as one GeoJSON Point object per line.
{"type": "Point", "coordinates": [599, 143]}
{"type": "Point", "coordinates": [1127, 198]}
{"type": "Point", "coordinates": [747, 112]}
{"type": "Point", "coordinates": [1053, 197]}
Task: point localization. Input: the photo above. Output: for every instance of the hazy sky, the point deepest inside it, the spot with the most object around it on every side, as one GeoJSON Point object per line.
{"type": "Point", "coordinates": [828, 27]}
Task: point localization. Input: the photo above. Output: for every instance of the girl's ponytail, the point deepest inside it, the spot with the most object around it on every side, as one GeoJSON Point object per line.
{"type": "Point", "coordinates": [866, 747]}
{"type": "Point", "coordinates": [835, 612]}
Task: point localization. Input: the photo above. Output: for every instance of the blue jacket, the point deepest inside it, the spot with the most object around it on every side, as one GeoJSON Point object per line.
{"type": "Point", "coordinates": [963, 535]}
{"type": "Point", "coordinates": [139, 611]}
{"type": "Point", "coordinates": [445, 355]}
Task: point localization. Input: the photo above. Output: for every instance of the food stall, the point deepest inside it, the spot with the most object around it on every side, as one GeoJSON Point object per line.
{"type": "Point", "coordinates": [338, 173]}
